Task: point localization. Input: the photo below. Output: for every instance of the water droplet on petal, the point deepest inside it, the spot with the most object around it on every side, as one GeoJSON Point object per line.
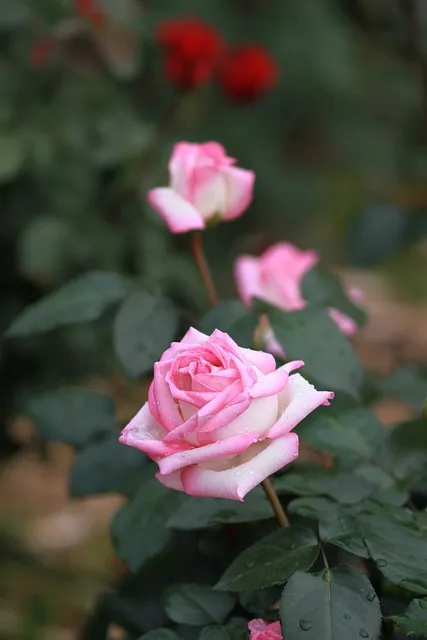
{"type": "Point", "coordinates": [305, 625]}
{"type": "Point", "coordinates": [363, 633]}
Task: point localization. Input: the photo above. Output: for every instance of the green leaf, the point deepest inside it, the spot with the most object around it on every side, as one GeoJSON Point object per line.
{"type": "Point", "coordinates": [353, 432]}
{"type": "Point", "coordinates": [139, 528]}
{"type": "Point", "coordinates": [105, 466]}
{"type": "Point", "coordinates": [319, 286]}
{"type": "Point", "coordinates": [405, 452]}
{"type": "Point", "coordinates": [143, 328]}
{"type": "Point", "coordinates": [397, 545]}
{"type": "Point", "coordinates": [331, 605]}
{"type": "Point", "coordinates": [82, 300]}
{"type": "Point", "coordinates": [197, 604]}
{"type": "Point", "coordinates": [272, 560]}
{"type": "Point", "coordinates": [233, 318]}
{"type": "Point", "coordinates": [407, 383]}
{"type": "Point", "coordinates": [310, 335]}
{"type": "Point", "coordinates": [339, 485]}
{"type": "Point", "coordinates": [236, 629]}
{"type": "Point", "coordinates": [160, 634]}
{"type": "Point", "coordinates": [198, 513]}
{"type": "Point", "coordinates": [71, 415]}
{"type": "Point", "coordinates": [337, 525]}
{"type": "Point", "coordinates": [12, 154]}
{"type": "Point", "coordinates": [414, 621]}
{"type": "Point", "coordinates": [261, 601]}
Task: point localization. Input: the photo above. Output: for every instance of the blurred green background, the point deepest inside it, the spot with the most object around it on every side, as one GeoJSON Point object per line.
{"type": "Point", "coordinates": [338, 147]}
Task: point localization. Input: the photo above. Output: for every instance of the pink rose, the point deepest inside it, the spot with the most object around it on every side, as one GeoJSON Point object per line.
{"type": "Point", "coordinates": [203, 184]}
{"type": "Point", "coordinates": [276, 277]}
{"type": "Point", "coordinates": [219, 418]}
{"type": "Point", "coordinates": [261, 630]}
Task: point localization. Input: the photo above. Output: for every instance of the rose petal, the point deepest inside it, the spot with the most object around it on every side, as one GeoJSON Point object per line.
{"type": "Point", "coordinates": [263, 361]}
{"type": "Point", "coordinates": [144, 433]}
{"type": "Point", "coordinates": [181, 166]}
{"type": "Point", "coordinates": [247, 276]}
{"type": "Point", "coordinates": [179, 214]}
{"type": "Point", "coordinates": [194, 336]}
{"type": "Point", "coordinates": [239, 186]}
{"type": "Point", "coordinates": [236, 482]}
{"type": "Point", "coordinates": [225, 406]}
{"type": "Point", "coordinates": [298, 399]}
{"type": "Point", "coordinates": [346, 325]}
{"type": "Point", "coordinates": [272, 345]}
{"type": "Point", "coordinates": [209, 191]}
{"type": "Point", "coordinates": [172, 480]}
{"type": "Point", "coordinates": [261, 630]}
{"type": "Point", "coordinates": [214, 451]}
{"type": "Point", "coordinates": [257, 419]}
{"type": "Point", "coordinates": [165, 405]}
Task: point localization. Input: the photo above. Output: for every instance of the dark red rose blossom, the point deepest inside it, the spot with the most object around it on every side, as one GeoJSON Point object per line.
{"type": "Point", "coordinates": [248, 72]}
{"type": "Point", "coordinates": [192, 51]}
{"type": "Point", "coordinates": [90, 10]}
{"type": "Point", "coordinates": [42, 51]}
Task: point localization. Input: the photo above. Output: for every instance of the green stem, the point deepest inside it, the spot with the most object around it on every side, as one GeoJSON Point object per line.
{"type": "Point", "coordinates": [202, 265]}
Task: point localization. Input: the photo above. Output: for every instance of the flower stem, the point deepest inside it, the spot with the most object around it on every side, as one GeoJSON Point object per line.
{"type": "Point", "coordinates": [202, 265]}
{"type": "Point", "coordinates": [278, 509]}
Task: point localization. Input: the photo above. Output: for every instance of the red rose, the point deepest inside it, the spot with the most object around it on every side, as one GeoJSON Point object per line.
{"type": "Point", "coordinates": [248, 72]}
{"type": "Point", "coordinates": [88, 9]}
{"type": "Point", "coordinates": [192, 51]}
{"type": "Point", "coordinates": [41, 51]}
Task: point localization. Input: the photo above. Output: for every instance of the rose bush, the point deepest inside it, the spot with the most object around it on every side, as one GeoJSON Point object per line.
{"type": "Point", "coordinates": [204, 184]}
{"type": "Point", "coordinates": [276, 277]}
{"type": "Point", "coordinates": [219, 418]}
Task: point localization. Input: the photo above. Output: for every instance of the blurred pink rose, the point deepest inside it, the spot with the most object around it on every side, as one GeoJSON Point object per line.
{"type": "Point", "coordinates": [276, 277]}
{"type": "Point", "coordinates": [261, 630]}
{"type": "Point", "coordinates": [219, 418]}
{"type": "Point", "coordinates": [203, 184]}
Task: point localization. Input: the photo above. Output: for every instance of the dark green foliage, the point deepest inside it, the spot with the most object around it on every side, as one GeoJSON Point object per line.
{"type": "Point", "coordinates": [311, 335]}
{"type": "Point", "coordinates": [197, 604]}
{"type": "Point", "coordinates": [330, 605]}
{"type": "Point", "coordinates": [94, 286]}
{"type": "Point", "coordinates": [271, 561]}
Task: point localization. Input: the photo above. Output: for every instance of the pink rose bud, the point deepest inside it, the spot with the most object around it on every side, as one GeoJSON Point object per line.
{"type": "Point", "coordinates": [261, 630]}
{"type": "Point", "coordinates": [276, 277]}
{"type": "Point", "coordinates": [204, 184]}
{"type": "Point", "coordinates": [219, 418]}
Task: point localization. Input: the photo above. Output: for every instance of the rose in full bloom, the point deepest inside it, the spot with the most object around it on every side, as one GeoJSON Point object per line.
{"type": "Point", "coordinates": [261, 630]}
{"type": "Point", "coordinates": [204, 184]}
{"type": "Point", "coordinates": [192, 51]}
{"type": "Point", "coordinates": [276, 277]}
{"type": "Point", "coordinates": [248, 72]}
{"type": "Point", "coordinates": [219, 418]}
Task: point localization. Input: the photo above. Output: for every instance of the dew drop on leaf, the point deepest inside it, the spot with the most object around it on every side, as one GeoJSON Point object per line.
{"type": "Point", "coordinates": [423, 604]}
{"type": "Point", "coordinates": [347, 616]}
{"type": "Point", "coordinates": [305, 625]}
{"type": "Point", "coordinates": [381, 563]}
{"type": "Point", "coordinates": [249, 563]}
{"type": "Point", "coordinates": [363, 633]}
{"type": "Point", "coordinates": [371, 596]}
